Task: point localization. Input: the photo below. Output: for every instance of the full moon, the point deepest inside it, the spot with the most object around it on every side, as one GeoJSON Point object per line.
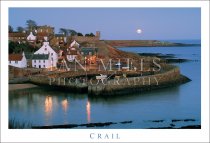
{"type": "Point", "coordinates": [139, 31]}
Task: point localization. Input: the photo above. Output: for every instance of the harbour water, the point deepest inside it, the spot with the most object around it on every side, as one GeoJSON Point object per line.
{"type": "Point", "coordinates": [159, 108]}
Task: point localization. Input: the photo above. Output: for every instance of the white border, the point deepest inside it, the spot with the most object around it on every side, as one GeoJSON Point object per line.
{"type": "Point", "coordinates": [128, 135]}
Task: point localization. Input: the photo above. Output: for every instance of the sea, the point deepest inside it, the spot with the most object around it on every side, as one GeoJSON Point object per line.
{"type": "Point", "coordinates": [174, 107]}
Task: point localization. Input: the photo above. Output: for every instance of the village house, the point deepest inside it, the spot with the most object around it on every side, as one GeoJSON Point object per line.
{"type": "Point", "coordinates": [41, 61]}
{"type": "Point", "coordinates": [45, 57]}
{"type": "Point", "coordinates": [18, 60]}
{"type": "Point", "coordinates": [73, 51]}
{"type": "Point", "coordinates": [58, 39]}
{"type": "Point", "coordinates": [72, 55]}
{"type": "Point", "coordinates": [74, 44]}
{"type": "Point", "coordinates": [17, 37]}
{"type": "Point", "coordinates": [89, 54]}
{"type": "Point", "coordinates": [31, 38]}
{"type": "Point", "coordinates": [44, 31]}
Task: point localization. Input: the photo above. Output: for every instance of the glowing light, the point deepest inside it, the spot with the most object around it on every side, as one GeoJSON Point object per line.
{"type": "Point", "coordinates": [48, 104]}
{"type": "Point", "coordinates": [139, 31]}
{"type": "Point", "coordinates": [88, 108]}
{"type": "Point", "coordinates": [65, 105]}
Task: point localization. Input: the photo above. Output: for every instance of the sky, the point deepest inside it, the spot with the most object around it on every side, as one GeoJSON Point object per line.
{"type": "Point", "coordinates": [117, 23]}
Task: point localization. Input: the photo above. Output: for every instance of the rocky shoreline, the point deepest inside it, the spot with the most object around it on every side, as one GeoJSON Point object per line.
{"type": "Point", "coordinates": [106, 124]}
{"type": "Point", "coordinates": [145, 43]}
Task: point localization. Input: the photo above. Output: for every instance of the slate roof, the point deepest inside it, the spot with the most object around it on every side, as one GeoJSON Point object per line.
{"type": "Point", "coordinates": [40, 57]}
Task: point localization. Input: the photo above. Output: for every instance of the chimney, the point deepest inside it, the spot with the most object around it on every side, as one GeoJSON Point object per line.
{"type": "Point", "coordinates": [98, 34]}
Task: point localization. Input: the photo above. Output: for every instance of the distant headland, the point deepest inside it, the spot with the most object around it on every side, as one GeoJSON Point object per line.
{"type": "Point", "coordinates": [146, 43]}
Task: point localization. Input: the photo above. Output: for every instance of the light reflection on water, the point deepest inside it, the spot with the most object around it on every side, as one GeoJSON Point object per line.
{"type": "Point", "coordinates": [88, 107]}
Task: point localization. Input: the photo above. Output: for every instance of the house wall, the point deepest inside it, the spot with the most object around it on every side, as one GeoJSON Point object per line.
{"type": "Point", "coordinates": [41, 63]}
{"type": "Point", "coordinates": [71, 57]}
{"type": "Point", "coordinates": [19, 64]}
{"type": "Point", "coordinates": [46, 49]}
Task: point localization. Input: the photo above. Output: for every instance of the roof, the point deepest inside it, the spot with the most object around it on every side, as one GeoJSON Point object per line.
{"type": "Point", "coordinates": [73, 52]}
{"type": "Point", "coordinates": [42, 34]}
{"type": "Point", "coordinates": [15, 57]}
{"type": "Point", "coordinates": [17, 34]}
{"type": "Point", "coordinates": [45, 26]}
{"type": "Point", "coordinates": [40, 56]}
{"type": "Point", "coordinates": [88, 49]}
{"type": "Point", "coordinates": [59, 35]}
{"type": "Point", "coordinates": [29, 56]}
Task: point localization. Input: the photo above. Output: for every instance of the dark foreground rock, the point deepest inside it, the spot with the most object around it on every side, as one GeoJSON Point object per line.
{"type": "Point", "coordinates": [89, 125]}
{"type": "Point", "coordinates": [183, 127]}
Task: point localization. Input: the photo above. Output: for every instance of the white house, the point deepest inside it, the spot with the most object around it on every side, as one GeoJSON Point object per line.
{"type": "Point", "coordinates": [31, 37]}
{"type": "Point", "coordinates": [71, 55]}
{"type": "Point", "coordinates": [45, 57]}
{"type": "Point", "coordinates": [18, 60]}
{"type": "Point", "coordinates": [41, 61]}
{"type": "Point", "coordinates": [74, 43]}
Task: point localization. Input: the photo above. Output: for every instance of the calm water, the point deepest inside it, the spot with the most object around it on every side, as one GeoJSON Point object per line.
{"type": "Point", "coordinates": [40, 106]}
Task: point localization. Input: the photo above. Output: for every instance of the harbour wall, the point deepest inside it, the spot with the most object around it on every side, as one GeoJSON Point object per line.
{"type": "Point", "coordinates": [112, 87]}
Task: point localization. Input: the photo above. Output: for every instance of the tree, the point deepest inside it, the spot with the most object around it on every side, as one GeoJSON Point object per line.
{"type": "Point", "coordinates": [89, 35]}
{"type": "Point", "coordinates": [10, 28]}
{"type": "Point", "coordinates": [92, 35]}
{"type": "Point", "coordinates": [20, 29]}
{"type": "Point", "coordinates": [79, 34]}
{"type": "Point", "coordinates": [68, 32]}
{"type": "Point", "coordinates": [64, 31]}
{"type": "Point", "coordinates": [31, 25]}
{"type": "Point", "coordinates": [72, 32]}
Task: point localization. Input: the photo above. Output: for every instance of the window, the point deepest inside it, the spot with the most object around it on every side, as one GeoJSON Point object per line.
{"type": "Point", "coordinates": [34, 61]}
{"type": "Point", "coordinates": [45, 49]}
{"type": "Point", "coordinates": [51, 54]}
{"type": "Point", "coordinates": [10, 62]}
{"type": "Point", "coordinates": [44, 66]}
{"type": "Point", "coordinates": [39, 61]}
{"type": "Point", "coordinates": [16, 62]}
{"type": "Point", "coordinates": [34, 65]}
{"type": "Point", "coordinates": [43, 61]}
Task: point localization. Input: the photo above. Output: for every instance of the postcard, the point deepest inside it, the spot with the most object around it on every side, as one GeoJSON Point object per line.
{"type": "Point", "coordinates": [104, 71]}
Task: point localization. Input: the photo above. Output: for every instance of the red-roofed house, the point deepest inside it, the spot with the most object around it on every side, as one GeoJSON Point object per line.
{"type": "Point", "coordinates": [18, 60]}
{"type": "Point", "coordinates": [17, 37]}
